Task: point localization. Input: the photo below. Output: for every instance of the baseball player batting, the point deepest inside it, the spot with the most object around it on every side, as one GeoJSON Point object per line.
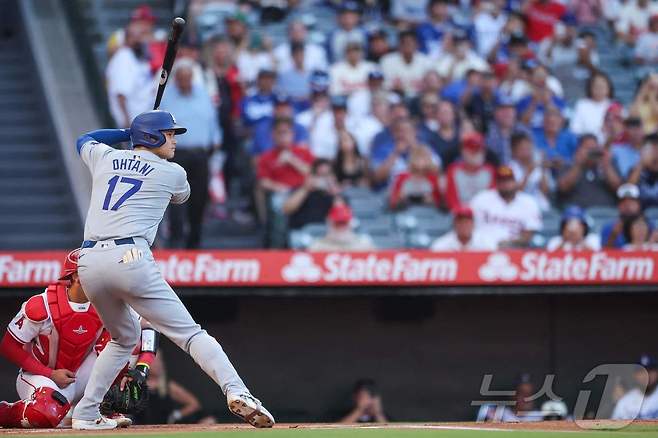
{"type": "Point", "coordinates": [130, 192]}
{"type": "Point", "coordinates": [55, 339]}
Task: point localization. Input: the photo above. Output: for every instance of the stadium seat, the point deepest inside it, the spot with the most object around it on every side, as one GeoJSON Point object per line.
{"type": "Point", "coordinates": [601, 215]}
{"type": "Point", "coordinates": [551, 222]}
{"type": "Point", "coordinates": [422, 218]}
{"type": "Point", "coordinates": [381, 226]}
{"type": "Point", "coordinates": [367, 207]}
{"type": "Point", "coordinates": [422, 211]}
{"type": "Point", "coordinates": [420, 240]}
{"type": "Point", "coordinates": [391, 241]}
{"type": "Point", "coordinates": [356, 193]}
{"type": "Point", "coordinates": [651, 213]}
{"type": "Point", "coordinates": [301, 239]}
{"type": "Point", "coordinates": [538, 240]}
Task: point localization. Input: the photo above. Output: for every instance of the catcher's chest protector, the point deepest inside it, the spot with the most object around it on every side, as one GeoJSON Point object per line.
{"type": "Point", "coordinates": [76, 331]}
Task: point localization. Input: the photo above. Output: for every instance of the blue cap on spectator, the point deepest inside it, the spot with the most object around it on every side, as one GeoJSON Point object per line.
{"type": "Point", "coordinates": [575, 212]}
{"type": "Point", "coordinates": [319, 81]}
{"type": "Point", "coordinates": [530, 64]}
{"type": "Point", "coordinates": [375, 75]}
{"type": "Point", "coordinates": [569, 19]}
{"type": "Point", "coordinates": [349, 6]}
{"type": "Point", "coordinates": [503, 100]}
{"type": "Point", "coordinates": [648, 362]}
{"type": "Point", "coordinates": [282, 99]}
{"type": "Point", "coordinates": [339, 102]}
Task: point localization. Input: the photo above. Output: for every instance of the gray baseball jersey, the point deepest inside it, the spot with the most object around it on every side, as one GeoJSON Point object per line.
{"type": "Point", "coordinates": [130, 191]}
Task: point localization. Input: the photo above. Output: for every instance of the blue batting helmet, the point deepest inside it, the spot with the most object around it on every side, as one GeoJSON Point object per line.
{"type": "Point", "coordinates": [146, 129]}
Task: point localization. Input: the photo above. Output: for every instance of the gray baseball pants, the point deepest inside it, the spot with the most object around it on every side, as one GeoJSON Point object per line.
{"type": "Point", "coordinates": [112, 286]}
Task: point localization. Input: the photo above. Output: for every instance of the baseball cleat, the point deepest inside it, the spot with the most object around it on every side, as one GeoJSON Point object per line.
{"type": "Point", "coordinates": [102, 423]}
{"type": "Point", "coordinates": [122, 420]}
{"type": "Point", "coordinates": [250, 409]}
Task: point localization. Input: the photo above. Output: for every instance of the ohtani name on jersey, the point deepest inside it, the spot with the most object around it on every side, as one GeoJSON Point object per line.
{"type": "Point", "coordinates": [132, 164]}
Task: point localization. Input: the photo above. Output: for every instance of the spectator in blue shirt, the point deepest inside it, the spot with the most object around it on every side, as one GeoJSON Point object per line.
{"type": "Point", "coordinates": [628, 206]}
{"type": "Point", "coordinates": [193, 108]}
{"type": "Point", "coordinates": [470, 83]}
{"type": "Point", "coordinates": [531, 108]}
{"type": "Point", "coordinates": [392, 158]}
{"type": "Point", "coordinates": [626, 153]}
{"type": "Point", "coordinates": [433, 32]}
{"type": "Point", "coordinates": [384, 141]}
{"type": "Point", "coordinates": [262, 138]}
{"type": "Point", "coordinates": [554, 140]}
{"type": "Point", "coordinates": [295, 82]}
{"type": "Point", "coordinates": [501, 129]}
{"type": "Point", "coordinates": [260, 104]}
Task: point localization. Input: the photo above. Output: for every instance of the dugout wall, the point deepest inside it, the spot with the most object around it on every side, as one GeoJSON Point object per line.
{"type": "Point", "coordinates": [302, 354]}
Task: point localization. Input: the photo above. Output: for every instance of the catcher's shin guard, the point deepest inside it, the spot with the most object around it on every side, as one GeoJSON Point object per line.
{"type": "Point", "coordinates": [45, 409]}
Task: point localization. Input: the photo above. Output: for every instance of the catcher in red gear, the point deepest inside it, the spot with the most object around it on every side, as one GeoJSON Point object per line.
{"type": "Point", "coordinates": [55, 339]}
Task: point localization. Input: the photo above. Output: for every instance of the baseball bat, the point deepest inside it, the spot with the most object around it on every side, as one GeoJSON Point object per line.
{"type": "Point", "coordinates": [177, 26]}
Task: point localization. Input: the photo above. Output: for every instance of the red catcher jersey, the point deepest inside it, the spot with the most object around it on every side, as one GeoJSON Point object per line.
{"type": "Point", "coordinates": [58, 332]}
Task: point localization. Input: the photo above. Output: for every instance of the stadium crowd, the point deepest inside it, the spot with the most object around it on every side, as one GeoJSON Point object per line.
{"type": "Point", "coordinates": [493, 110]}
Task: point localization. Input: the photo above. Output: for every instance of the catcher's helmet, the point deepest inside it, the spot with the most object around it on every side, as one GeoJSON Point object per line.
{"type": "Point", "coordinates": [70, 264]}
{"type": "Point", "coordinates": [146, 129]}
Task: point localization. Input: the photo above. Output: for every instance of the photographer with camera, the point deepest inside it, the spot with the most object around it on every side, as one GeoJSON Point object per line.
{"type": "Point", "coordinates": [588, 181]}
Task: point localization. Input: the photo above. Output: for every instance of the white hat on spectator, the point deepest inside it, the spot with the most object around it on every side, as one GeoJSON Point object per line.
{"type": "Point", "coordinates": [628, 190]}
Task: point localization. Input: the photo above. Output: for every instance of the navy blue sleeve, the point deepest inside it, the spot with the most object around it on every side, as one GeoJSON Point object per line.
{"type": "Point", "coordinates": [107, 136]}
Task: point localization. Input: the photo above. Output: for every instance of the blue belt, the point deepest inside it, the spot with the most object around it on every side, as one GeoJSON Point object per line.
{"type": "Point", "coordinates": [92, 243]}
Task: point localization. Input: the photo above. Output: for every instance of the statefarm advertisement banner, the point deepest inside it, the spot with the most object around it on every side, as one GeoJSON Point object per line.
{"type": "Point", "coordinates": [382, 268]}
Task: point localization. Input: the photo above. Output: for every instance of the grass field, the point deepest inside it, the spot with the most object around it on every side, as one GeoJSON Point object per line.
{"type": "Point", "coordinates": [443, 430]}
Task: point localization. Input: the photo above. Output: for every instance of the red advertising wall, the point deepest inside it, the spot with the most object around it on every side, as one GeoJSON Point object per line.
{"type": "Point", "coordinates": [382, 268]}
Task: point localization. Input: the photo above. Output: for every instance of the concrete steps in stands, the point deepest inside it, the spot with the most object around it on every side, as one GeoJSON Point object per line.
{"type": "Point", "coordinates": [36, 203]}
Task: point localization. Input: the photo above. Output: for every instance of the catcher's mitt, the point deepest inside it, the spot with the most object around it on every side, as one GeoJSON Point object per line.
{"type": "Point", "coordinates": [132, 400]}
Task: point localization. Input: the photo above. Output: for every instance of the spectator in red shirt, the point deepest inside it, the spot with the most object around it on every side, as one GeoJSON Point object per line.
{"type": "Point", "coordinates": [282, 168]}
{"type": "Point", "coordinates": [469, 175]}
{"type": "Point", "coordinates": [285, 166]}
{"type": "Point", "coordinates": [418, 185]}
{"type": "Point", "coordinates": [541, 17]}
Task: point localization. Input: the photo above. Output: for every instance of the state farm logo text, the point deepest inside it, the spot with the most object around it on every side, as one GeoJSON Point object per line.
{"type": "Point", "coordinates": [597, 266]}
{"type": "Point", "coordinates": [357, 267]}
{"type": "Point", "coordinates": [28, 271]}
{"type": "Point", "coordinates": [204, 268]}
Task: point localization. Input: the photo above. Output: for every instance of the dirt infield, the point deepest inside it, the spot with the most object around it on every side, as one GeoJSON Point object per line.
{"type": "Point", "coordinates": [535, 426]}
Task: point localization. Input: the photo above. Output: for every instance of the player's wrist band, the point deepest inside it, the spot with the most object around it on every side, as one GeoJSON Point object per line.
{"type": "Point", "coordinates": [150, 340]}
